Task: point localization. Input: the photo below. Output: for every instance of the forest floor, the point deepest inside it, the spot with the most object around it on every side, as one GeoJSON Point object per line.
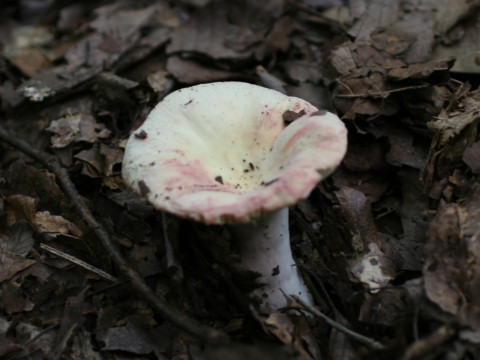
{"type": "Point", "coordinates": [389, 244]}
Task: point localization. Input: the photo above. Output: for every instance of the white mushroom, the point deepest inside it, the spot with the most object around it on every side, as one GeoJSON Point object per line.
{"type": "Point", "coordinates": [237, 153]}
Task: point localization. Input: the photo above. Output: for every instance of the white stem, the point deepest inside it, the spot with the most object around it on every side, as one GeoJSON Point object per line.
{"type": "Point", "coordinates": [264, 247]}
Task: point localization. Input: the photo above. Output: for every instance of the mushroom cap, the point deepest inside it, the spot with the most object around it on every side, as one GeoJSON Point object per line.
{"type": "Point", "coordinates": [228, 152]}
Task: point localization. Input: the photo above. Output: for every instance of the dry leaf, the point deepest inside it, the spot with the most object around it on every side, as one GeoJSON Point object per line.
{"type": "Point", "coordinates": [42, 221]}
{"type": "Point", "coordinates": [76, 128]}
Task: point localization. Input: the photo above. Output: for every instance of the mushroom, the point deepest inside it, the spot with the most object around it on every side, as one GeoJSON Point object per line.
{"type": "Point", "coordinates": [239, 154]}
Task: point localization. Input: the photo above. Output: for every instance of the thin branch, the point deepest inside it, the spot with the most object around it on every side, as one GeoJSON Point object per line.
{"type": "Point", "coordinates": [51, 162]}
{"type": "Point", "coordinates": [371, 343]}
{"type": "Point", "coordinates": [80, 263]}
{"type": "Point", "coordinates": [382, 94]}
{"type": "Point", "coordinates": [428, 347]}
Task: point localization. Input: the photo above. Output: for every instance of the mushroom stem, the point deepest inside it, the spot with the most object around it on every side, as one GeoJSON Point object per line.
{"type": "Point", "coordinates": [264, 247]}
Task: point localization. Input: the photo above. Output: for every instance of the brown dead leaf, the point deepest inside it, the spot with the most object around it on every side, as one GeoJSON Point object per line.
{"type": "Point", "coordinates": [207, 32]}
{"type": "Point", "coordinates": [393, 41]}
{"type": "Point", "coordinates": [114, 89]}
{"type": "Point", "coordinates": [451, 270]}
{"type": "Point", "coordinates": [41, 341]}
{"type": "Point", "coordinates": [28, 180]}
{"type": "Point", "coordinates": [277, 38]}
{"type": "Point", "coordinates": [471, 158]}
{"type": "Point", "coordinates": [423, 71]}
{"type": "Point", "coordinates": [22, 37]}
{"type": "Point", "coordinates": [403, 151]}
{"type": "Point", "coordinates": [42, 221]}
{"type": "Point", "coordinates": [226, 30]}
{"type": "Point", "coordinates": [137, 333]}
{"type": "Point", "coordinates": [112, 156]}
{"type": "Point", "coordinates": [30, 60]}
{"type": "Point", "coordinates": [12, 299]}
{"type": "Point", "coordinates": [52, 81]}
{"type": "Point", "coordinates": [117, 39]}
{"type": "Point", "coordinates": [11, 264]}
{"type": "Point", "coordinates": [76, 128]}
{"type": "Point", "coordinates": [452, 133]}
{"type": "Point", "coordinates": [189, 71]}
{"type": "Point", "coordinates": [302, 71]}
{"type": "Point", "coordinates": [158, 81]}
{"type": "Point", "coordinates": [368, 182]}
{"type": "Point", "coordinates": [116, 31]}
{"type": "Point", "coordinates": [406, 29]}
{"type": "Point", "coordinates": [371, 81]}
{"type": "Point", "coordinates": [446, 257]}
{"type": "Point", "coordinates": [376, 14]}
{"type": "Point", "coordinates": [18, 240]}
{"type": "Point", "coordinates": [138, 341]}
{"type": "Point", "coordinates": [15, 244]}
{"type": "Point", "coordinates": [99, 162]}
{"type": "Point", "coordinates": [460, 38]}
{"type": "Point", "coordinates": [281, 326]}
{"type": "Point", "coordinates": [285, 330]}
{"type": "Point", "coordinates": [93, 162]}
{"type": "Point", "coordinates": [24, 48]}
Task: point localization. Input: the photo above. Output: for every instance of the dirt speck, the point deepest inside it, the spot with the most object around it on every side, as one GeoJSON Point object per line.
{"type": "Point", "coordinates": [144, 189]}
{"type": "Point", "coordinates": [289, 116]}
{"type": "Point", "coordinates": [142, 135]}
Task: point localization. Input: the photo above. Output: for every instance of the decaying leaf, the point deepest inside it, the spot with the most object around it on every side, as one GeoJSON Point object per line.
{"type": "Point", "coordinates": [115, 41]}
{"type": "Point", "coordinates": [371, 80]}
{"type": "Point", "coordinates": [471, 158]}
{"type": "Point", "coordinates": [27, 180]}
{"type": "Point", "coordinates": [10, 264]}
{"type": "Point", "coordinates": [451, 270]}
{"type": "Point", "coordinates": [12, 299]}
{"type": "Point", "coordinates": [453, 132]}
{"type": "Point", "coordinates": [289, 333]}
{"type": "Point", "coordinates": [42, 221]}
{"type": "Point", "coordinates": [15, 244]}
{"type": "Point", "coordinates": [75, 128]}
{"type": "Point", "coordinates": [192, 72]}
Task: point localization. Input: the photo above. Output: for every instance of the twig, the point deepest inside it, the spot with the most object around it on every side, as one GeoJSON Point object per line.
{"type": "Point", "coordinates": [26, 348]}
{"type": "Point", "coordinates": [372, 343]}
{"type": "Point", "coordinates": [382, 94]}
{"type": "Point", "coordinates": [80, 263]}
{"type": "Point", "coordinates": [429, 346]}
{"type": "Point", "coordinates": [51, 162]}
{"type": "Point", "coordinates": [173, 267]}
